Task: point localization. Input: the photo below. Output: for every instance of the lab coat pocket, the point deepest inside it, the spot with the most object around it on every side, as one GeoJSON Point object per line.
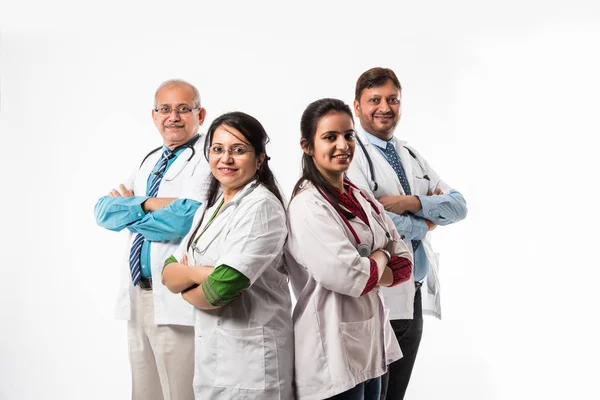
{"type": "Point", "coordinates": [240, 358]}
{"type": "Point", "coordinates": [362, 342]}
{"type": "Point", "coordinates": [421, 186]}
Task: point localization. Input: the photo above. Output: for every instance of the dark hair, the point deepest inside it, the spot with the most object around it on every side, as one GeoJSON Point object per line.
{"type": "Point", "coordinates": [308, 128]}
{"type": "Point", "coordinates": [254, 132]}
{"type": "Point", "coordinates": [375, 77]}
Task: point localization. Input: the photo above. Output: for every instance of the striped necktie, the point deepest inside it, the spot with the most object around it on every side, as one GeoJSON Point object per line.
{"type": "Point", "coordinates": [136, 247]}
{"type": "Point", "coordinates": [394, 160]}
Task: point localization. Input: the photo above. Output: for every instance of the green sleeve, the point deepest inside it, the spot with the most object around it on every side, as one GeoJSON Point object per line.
{"type": "Point", "coordinates": [223, 285]}
{"type": "Point", "coordinates": [170, 260]}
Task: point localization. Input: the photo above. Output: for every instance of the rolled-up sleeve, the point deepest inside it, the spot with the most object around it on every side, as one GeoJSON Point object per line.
{"type": "Point", "coordinates": [409, 227]}
{"type": "Point", "coordinates": [116, 213]}
{"type": "Point", "coordinates": [443, 209]}
{"type": "Point", "coordinates": [223, 285]}
{"type": "Point", "coordinates": [167, 223]}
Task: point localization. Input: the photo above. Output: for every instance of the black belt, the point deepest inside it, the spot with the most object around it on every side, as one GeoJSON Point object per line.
{"type": "Point", "coordinates": [418, 285]}
{"type": "Point", "coordinates": [146, 283]}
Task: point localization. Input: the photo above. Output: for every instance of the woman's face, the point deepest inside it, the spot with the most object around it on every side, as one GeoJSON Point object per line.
{"type": "Point", "coordinates": [334, 144]}
{"type": "Point", "coordinates": [233, 160]}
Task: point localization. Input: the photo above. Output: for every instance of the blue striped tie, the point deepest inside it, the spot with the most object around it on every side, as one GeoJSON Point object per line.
{"type": "Point", "coordinates": [136, 247]}
{"type": "Point", "coordinates": [394, 161]}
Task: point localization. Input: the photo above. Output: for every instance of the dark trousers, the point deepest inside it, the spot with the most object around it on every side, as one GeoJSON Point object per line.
{"type": "Point", "coordinates": [408, 332]}
{"type": "Point", "coordinates": [367, 390]}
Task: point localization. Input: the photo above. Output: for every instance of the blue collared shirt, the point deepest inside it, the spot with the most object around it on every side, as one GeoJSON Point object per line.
{"type": "Point", "coordinates": [167, 223]}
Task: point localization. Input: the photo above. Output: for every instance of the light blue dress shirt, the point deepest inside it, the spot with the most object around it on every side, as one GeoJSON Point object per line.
{"type": "Point", "coordinates": [167, 223]}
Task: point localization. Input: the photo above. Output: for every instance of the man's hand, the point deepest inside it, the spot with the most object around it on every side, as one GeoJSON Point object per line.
{"type": "Point", "coordinates": [400, 204]}
{"type": "Point", "coordinates": [122, 192]}
{"type": "Point", "coordinates": [435, 192]}
{"type": "Point", "coordinates": [430, 225]}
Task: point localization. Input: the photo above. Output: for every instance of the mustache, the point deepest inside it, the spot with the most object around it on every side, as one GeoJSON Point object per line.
{"type": "Point", "coordinates": [174, 125]}
{"type": "Point", "coordinates": [387, 114]}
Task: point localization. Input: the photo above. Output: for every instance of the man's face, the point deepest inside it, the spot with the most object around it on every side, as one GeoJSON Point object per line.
{"type": "Point", "coordinates": [176, 128]}
{"type": "Point", "coordinates": [379, 110]}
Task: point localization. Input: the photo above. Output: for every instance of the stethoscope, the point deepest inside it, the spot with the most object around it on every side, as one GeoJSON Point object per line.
{"type": "Point", "coordinates": [364, 250]}
{"type": "Point", "coordinates": [188, 145]}
{"type": "Point", "coordinates": [372, 169]}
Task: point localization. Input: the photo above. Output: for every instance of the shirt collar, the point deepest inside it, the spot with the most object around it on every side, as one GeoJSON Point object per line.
{"type": "Point", "coordinates": [181, 148]}
{"type": "Point", "coordinates": [382, 144]}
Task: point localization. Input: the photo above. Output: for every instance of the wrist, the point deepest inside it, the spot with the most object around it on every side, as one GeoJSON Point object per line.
{"type": "Point", "coordinates": [147, 204]}
{"type": "Point", "coordinates": [387, 255]}
{"type": "Point", "coordinates": [417, 206]}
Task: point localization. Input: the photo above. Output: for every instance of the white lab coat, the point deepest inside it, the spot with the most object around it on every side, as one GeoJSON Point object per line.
{"type": "Point", "coordinates": [389, 185]}
{"type": "Point", "coordinates": [183, 180]}
{"type": "Point", "coordinates": [341, 338]}
{"type": "Point", "coordinates": [244, 350]}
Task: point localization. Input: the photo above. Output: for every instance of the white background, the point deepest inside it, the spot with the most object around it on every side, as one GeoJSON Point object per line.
{"type": "Point", "coordinates": [503, 100]}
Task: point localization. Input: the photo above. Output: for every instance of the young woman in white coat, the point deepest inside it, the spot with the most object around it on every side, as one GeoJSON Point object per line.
{"type": "Point", "coordinates": [230, 267]}
{"type": "Point", "coordinates": [349, 247]}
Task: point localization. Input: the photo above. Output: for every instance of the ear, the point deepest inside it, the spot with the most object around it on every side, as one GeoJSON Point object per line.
{"type": "Point", "coordinates": [260, 160]}
{"type": "Point", "coordinates": [202, 115]}
{"type": "Point", "coordinates": [305, 146]}
{"type": "Point", "coordinates": [356, 108]}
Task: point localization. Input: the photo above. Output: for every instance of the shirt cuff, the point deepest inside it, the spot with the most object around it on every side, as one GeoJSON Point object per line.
{"type": "Point", "coordinates": [401, 269]}
{"type": "Point", "coordinates": [429, 207]}
{"type": "Point", "coordinates": [373, 278]}
{"type": "Point", "coordinates": [223, 285]}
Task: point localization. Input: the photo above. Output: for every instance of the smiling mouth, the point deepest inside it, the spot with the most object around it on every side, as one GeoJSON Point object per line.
{"type": "Point", "coordinates": [342, 156]}
{"type": "Point", "coordinates": [173, 126]}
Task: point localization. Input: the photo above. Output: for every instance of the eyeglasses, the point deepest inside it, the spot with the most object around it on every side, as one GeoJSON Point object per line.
{"type": "Point", "coordinates": [235, 151]}
{"type": "Point", "coordinates": [183, 109]}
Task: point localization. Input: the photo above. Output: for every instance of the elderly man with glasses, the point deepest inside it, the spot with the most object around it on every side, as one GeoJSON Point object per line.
{"type": "Point", "coordinates": [157, 206]}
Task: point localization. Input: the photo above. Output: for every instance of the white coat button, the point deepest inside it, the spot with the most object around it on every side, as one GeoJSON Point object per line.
{"type": "Point", "coordinates": [139, 214]}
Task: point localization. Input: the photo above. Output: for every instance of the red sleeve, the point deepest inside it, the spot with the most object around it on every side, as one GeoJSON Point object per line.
{"type": "Point", "coordinates": [373, 278]}
{"type": "Point", "coordinates": [401, 269]}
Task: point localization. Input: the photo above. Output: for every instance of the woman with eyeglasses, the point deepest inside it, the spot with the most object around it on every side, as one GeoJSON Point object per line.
{"type": "Point", "coordinates": [342, 237]}
{"type": "Point", "coordinates": [230, 267]}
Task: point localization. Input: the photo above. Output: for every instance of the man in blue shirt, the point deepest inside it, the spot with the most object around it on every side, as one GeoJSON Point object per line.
{"type": "Point", "coordinates": [157, 206]}
{"type": "Point", "coordinates": [417, 201]}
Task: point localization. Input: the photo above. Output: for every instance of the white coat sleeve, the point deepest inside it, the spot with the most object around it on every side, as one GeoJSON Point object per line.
{"type": "Point", "coordinates": [319, 243]}
{"type": "Point", "coordinates": [255, 239]}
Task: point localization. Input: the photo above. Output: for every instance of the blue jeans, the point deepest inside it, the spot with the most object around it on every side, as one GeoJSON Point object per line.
{"type": "Point", "coordinates": [367, 390]}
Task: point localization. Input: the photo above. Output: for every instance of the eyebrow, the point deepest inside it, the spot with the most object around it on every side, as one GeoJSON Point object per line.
{"type": "Point", "coordinates": [346, 131]}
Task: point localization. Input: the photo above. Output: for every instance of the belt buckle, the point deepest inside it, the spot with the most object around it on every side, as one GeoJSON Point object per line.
{"type": "Point", "coordinates": [418, 285]}
{"type": "Point", "coordinates": [146, 284]}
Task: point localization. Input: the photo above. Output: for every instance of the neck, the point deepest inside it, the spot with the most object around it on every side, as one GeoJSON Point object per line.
{"type": "Point", "coordinates": [173, 145]}
{"type": "Point", "coordinates": [335, 180]}
{"type": "Point", "coordinates": [230, 192]}
{"type": "Point", "coordinates": [228, 195]}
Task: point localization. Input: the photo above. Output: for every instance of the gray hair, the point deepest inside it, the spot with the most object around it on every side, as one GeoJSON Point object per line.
{"type": "Point", "coordinates": [179, 82]}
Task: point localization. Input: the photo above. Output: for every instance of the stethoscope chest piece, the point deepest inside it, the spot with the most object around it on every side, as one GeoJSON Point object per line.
{"type": "Point", "coordinates": [364, 250]}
